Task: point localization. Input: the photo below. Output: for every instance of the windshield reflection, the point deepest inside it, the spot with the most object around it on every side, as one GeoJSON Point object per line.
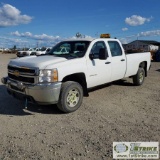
{"type": "Point", "coordinates": [70, 48]}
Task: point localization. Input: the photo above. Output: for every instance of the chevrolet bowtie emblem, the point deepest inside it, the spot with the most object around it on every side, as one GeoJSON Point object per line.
{"type": "Point", "coordinates": [16, 73]}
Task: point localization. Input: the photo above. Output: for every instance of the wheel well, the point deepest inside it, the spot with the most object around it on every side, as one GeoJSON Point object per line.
{"type": "Point", "coordinates": [80, 78]}
{"type": "Point", "coordinates": [144, 65]}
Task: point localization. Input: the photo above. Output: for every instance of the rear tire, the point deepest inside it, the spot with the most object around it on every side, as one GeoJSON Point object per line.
{"type": "Point", "coordinates": [71, 97]}
{"type": "Point", "coordinates": [138, 79]}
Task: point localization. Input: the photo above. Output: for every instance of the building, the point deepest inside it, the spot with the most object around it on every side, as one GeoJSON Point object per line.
{"type": "Point", "coordinates": [143, 45]}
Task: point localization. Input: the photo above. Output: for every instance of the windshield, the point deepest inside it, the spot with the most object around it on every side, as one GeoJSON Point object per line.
{"type": "Point", "coordinates": [70, 48]}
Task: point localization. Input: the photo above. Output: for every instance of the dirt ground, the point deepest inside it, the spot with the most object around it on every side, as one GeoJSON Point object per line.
{"type": "Point", "coordinates": [115, 112]}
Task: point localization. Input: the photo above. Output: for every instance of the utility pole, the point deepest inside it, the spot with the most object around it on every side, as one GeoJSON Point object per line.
{"type": "Point", "coordinates": [37, 44]}
{"type": "Point", "coordinates": [137, 42]}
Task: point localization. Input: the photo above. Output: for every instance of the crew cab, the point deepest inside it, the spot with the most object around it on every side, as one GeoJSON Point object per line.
{"type": "Point", "coordinates": [64, 78]}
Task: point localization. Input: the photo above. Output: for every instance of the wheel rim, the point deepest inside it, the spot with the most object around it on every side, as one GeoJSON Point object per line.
{"type": "Point", "coordinates": [73, 97]}
{"type": "Point", "coordinates": [141, 77]}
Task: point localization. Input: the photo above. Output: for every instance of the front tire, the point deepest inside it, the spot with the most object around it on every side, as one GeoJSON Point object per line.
{"type": "Point", "coordinates": [138, 79]}
{"type": "Point", "coordinates": [71, 97]}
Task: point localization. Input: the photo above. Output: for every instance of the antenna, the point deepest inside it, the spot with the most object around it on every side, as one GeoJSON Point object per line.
{"type": "Point", "coordinates": [78, 35]}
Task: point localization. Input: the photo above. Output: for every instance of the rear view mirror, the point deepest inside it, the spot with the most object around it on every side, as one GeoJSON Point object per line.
{"type": "Point", "coordinates": [103, 54]}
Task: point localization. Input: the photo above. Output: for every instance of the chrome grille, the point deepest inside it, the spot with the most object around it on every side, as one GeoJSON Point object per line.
{"type": "Point", "coordinates": [23, 74]}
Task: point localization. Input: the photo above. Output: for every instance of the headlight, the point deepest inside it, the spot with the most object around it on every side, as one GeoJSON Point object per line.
{"type": "Point", "coordinates": [48, 75]}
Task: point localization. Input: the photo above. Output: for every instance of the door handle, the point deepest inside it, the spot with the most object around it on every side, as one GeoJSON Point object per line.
{"type": "Point", "coordinates": [122, 59]}
{"type": "Point", "coordinates": [107, 62]}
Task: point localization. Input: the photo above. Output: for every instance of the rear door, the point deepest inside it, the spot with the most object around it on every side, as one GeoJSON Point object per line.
{"type": "Point", "coordinates": [118, 67]}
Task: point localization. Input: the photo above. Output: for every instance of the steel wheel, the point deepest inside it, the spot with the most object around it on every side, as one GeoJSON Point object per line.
{"type": "Point", "coordinates": [141, 76]}
{"type": "Point", "coordinates": [73, 97]}
{"type": "Point", "coordinates": [138, 79]}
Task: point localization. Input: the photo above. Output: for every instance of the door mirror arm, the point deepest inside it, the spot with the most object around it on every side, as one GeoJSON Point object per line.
{"type": "Point", "coordinates": [91, 56]}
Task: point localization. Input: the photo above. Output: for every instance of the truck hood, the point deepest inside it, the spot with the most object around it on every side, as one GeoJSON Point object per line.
{"type": "Point", "coordinates": [39, 62]}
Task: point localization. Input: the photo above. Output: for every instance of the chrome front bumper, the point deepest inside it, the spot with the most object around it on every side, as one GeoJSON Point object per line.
{"type": "Point", "coordinates": [44, 94]}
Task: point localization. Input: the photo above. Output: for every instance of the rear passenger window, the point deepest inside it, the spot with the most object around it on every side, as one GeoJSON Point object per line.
{"type": "Point", "coordinates": [115, 48]}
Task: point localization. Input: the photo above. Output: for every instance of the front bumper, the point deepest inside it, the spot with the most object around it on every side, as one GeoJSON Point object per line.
{"type": "Point", "coordinates": [44, 94]}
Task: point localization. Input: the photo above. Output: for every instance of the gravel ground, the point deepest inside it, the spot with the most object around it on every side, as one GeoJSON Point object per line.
{"type": "Point", "coordinates": [115, 112]}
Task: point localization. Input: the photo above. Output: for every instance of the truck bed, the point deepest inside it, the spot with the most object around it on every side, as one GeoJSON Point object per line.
{"type": "Point", "coordinates": [133, 62]}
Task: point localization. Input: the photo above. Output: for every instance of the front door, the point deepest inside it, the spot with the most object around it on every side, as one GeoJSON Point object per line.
{"type": "Point", "coordinates": [99, 71]}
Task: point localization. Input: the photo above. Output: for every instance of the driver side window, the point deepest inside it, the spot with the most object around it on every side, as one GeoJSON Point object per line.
{"type": "Point", "coordinates": [96, 47]}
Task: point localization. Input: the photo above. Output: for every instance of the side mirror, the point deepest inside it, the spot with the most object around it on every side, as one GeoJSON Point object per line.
{"type": "Point", "coordinates": [91, 56]}
{"type": "Point", "coordinates": [103, 54]}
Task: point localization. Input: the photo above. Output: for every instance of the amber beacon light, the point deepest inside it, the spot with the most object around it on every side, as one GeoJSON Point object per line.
{"type": "Point", "coordinates": [105, 35]}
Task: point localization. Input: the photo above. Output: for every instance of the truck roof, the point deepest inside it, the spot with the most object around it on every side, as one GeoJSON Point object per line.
{"type": "Point", "coordinates": [88, 39]}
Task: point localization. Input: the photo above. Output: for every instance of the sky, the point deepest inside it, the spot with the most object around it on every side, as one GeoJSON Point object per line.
{"type": "Point", "coordinates": [35, 23]}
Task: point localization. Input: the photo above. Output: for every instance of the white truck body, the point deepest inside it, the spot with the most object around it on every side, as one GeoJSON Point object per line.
{"type": "Point", "coordinates": [43, 51]}
{"type": "Point", "coordinates": [20, 53]}
{"type": "Point", "coordinates": [30, 51]}
{"type": "Point", "coordinates": [88, 70]}
{"type": "Point", "coordinates": [27, 52]}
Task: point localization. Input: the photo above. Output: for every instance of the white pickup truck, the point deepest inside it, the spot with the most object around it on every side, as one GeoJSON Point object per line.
{"type": "Point", "coordinates": [43, 50]}
{"type": "Point", "coordinates": [28, 52]}
{"type": "Point", "coordinates": [64, 78]}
